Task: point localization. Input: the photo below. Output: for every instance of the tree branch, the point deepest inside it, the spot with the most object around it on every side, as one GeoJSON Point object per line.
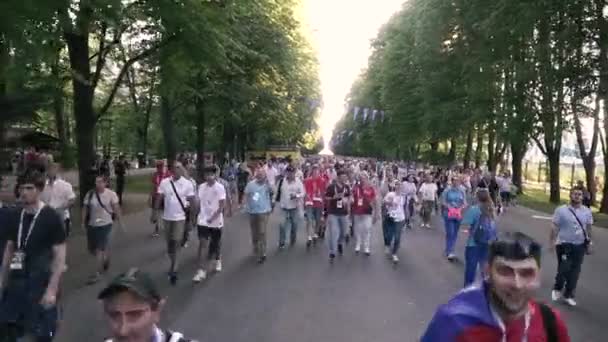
{"type": "Point", "coordinates": [101, 58]}
{"type": "Point", "coordinates": [540, 145]}
{"type": "Point", "coordinates": [145, 54]}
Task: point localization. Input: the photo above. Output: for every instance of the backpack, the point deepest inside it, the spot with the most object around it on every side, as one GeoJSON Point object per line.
{"type": "Point", "coordinates": [485, 231]}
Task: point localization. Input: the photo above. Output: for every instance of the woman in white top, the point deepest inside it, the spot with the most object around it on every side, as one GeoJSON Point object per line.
{"type": "Point", "coordinates": [408, 191]}
{"type": "Point", "coordinates": [395, 204]}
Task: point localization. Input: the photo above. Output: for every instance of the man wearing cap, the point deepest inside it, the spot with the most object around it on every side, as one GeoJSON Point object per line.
{"type": "Point", "coordinates": [501, 308]}
{"type": "Point", "coordinates": [289, 193]}
{"type": "Point", "coordinates": [132, 305]}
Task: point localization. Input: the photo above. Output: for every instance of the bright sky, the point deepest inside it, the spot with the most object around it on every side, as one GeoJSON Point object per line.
{"type": "Point", "coordinates": [342, 31]}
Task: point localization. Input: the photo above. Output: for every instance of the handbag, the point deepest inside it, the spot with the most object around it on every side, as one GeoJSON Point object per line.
{"type": "Point", "coordinates": [587, 240]}
{"type": "Point", "coordinates": [455, 213]}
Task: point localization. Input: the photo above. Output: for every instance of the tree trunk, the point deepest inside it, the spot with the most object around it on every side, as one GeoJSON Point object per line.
{"type": "Point", "coordinates": [166, 117]}
{"type": "Point", "coordinates": [553, 158]}
{"type": "Point", "coordinates": [479, 147]}
{"type": "Point", "coordinates": [199, 108]}
{"type": "Point", "coordinates": [78, 49]}
{"type": "Point", "coordinates": [452, 152]}
{"type": "Point", "coordinates": [603, 93]}
{"type": "Point", "coordinates": [518, 150]}
{"type": "Point", "coordinates": [491, 162]}
{"type": "Point", "coordinates": [434, 146]}
{"type": "Point", "coordinates": [466, 163]}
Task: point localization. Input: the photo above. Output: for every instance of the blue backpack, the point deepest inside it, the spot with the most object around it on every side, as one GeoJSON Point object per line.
{"type": "Point", "coordinates": [485, 231]}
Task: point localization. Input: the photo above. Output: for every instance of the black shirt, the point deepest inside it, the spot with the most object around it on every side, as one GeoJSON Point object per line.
{"type": "Point", "coordinates": [345, 193]}
{"type": "Point", "coordinates": [48, 232]}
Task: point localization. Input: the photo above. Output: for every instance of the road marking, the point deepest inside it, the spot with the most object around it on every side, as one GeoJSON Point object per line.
{"type": "Point", "coordinates": [542, 217]}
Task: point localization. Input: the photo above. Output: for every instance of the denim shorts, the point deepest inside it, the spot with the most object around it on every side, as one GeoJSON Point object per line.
{"type": "Point", "coordinates": [98, 238]}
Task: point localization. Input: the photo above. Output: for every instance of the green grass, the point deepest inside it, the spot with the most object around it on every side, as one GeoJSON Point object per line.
{"type": "Point", "coordinates": [537, 199]}
{"type": "Point", "coordinates": [141, 184]}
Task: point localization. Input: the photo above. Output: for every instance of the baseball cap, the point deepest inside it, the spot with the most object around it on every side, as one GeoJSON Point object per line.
{"type": "Point", "coordinates": [135, 281]}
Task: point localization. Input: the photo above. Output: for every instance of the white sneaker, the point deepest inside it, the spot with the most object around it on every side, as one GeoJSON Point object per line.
{"type": "Point", "coordinates": [218, 266]}
{"type": "Point", "coordinates": [556, 295]}
{"type": "Point", "coordinates": [451, 256]}
{"type": "Point", "coordinates": [199, 276]}
{"type": "Point", "coordinates": [357, 249]}
{"type": "Point", "coordinates": [368, 251]}
{"type": "Point", "coordinates": [387, 251]}
{"type": "Point", "coordinates": [570, 301]}
{"type": "Point", "coordinates": [395, 258]}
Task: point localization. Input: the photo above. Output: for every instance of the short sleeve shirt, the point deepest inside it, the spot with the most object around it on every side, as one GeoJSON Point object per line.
{"type": "Point", "coordinates": [338, 206]}
{"type": "Point", "coordinates": [173, 210]}
{"type": "Point", "coordinates": [209, 198]}
{"type": "Point", "coordinates": [58, 194]}
{"type": "Point", "coordinates": [48, 231]}
{"type": "Point", "coordinates": [100, 215]}
{"type": "Point", "coordinates": [363, 198]}
{"type": "Point", "coordinates": [258, 197]}
{"type": "Point", "coordinates": [569, 230]}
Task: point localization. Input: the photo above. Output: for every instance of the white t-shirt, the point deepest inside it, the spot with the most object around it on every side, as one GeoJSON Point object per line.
{"type": "Point", "coordinates": [101, 215]}
{"type": "Point", "coordinates": [394, 206]}
{"type": "Point", "coordinates": [408, 189]}
{"type": "Point", "coordinates": [504, 184]}
{"type": "Point", "coordinates": [209, 198]}
{"type": "Point", "coordinates": [58, 195]}
{"type": "Point", "coordinates": [271, 174]}
{"type": "Point", "coordinates": [287, 189]}
{"type": "Point", "coordinates": [428, 191]}
{"type": "Point", "coordinates": [173, 210]}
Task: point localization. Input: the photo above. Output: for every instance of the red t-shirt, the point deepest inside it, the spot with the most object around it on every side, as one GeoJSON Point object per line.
{"type": "Point", "coordinates": [363, 197]}
{"type": "Point", "coordinates": [515, 330]}
{"type": "Point", "coordinates": [315, 189]}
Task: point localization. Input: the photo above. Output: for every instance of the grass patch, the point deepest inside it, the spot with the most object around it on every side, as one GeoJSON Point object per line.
{"type": "Point", "coordinates": [538, 199]}
{"type": "Point", "coordinates": [140, 184]}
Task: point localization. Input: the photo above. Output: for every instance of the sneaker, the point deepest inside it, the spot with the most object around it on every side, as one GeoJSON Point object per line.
{"type": "Point", "coordinates": [332, 257]}
{"type": "Point", "coordinates": [262, 259]}
{"type": "Point", "coordinates": [357, 249]}
{"type": "Point", "coordinates": [556, 295]}
{"type": "Point", "coordinates": [395, 258]}
{"type": "Point", "coordinates": [281, 246]}
{"type": "Point", "coordinates": [173, 278]}
{"type": "Point", "coordinates": [570, 301]}
{"type": "Point", "coordinates": [218, 265]}
{"type": "Point", "coordinates": [309, 242]}
{"type": "Point", "coordinates": [340, 249]}
{"type": "Point", "coordinates": [94, 279]}
{"type": "Point", "coordinates": [155, 235]}
{"type": "Point", "coordinates": [387, 250]}
{"type": "Point", "coordinates": [368, 252]}
{"type": "Point", "coordinates": [451, 256]}
{"type": "Point", "coordinates": [316, 236]}
{"type": "Point", "coordinates": [199, 276]}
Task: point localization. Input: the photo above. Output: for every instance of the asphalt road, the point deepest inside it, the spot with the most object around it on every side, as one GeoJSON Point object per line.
{"type": "Point", "coordinates": [298, 296]}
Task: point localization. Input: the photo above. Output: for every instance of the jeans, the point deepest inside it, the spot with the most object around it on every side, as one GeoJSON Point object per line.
{"type": "Point", "coordinates": [362, 225]}
{"type": "Point", "coordinates": [290, 218]}
{"type": "Point", "coordinates": [427, 211]}
{"type": "Point", "coordinates": [258, 224]}
{"type": "Point", "coordinates": [392, 234]}
{"type": "Point", "coordinates": [338, 226]}
{"type": "Point", "coordinates": [569, 261]}
{"type": "Point", "coordinates": [451, 233]}
{"type": "Point", "coordinates": [474, 256]}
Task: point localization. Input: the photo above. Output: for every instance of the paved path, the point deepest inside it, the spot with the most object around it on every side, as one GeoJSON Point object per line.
{"type": "Point", "coordinates": [298, 296]}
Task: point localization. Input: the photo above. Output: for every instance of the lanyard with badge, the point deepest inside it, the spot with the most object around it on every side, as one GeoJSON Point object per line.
{"type": "Point", "coordinates": [339, 202]}
{"type": "Point", "coordinates": [19, 256]}
{"type": "Point", "coordinates": [503, 328]}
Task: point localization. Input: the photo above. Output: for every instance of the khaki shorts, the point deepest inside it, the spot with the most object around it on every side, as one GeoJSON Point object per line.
{"type": "Point", "coordinates": [174, 230]}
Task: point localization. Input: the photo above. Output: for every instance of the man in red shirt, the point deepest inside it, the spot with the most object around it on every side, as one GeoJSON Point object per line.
{"type": "Point", "coordinates": [365, 212]}
{"type": "Point", "coordinates": [501, 308]}
{"type": "Point", "coordinates": [160, 174]}
{"type": "Point", "coordinates": [315, 186]}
